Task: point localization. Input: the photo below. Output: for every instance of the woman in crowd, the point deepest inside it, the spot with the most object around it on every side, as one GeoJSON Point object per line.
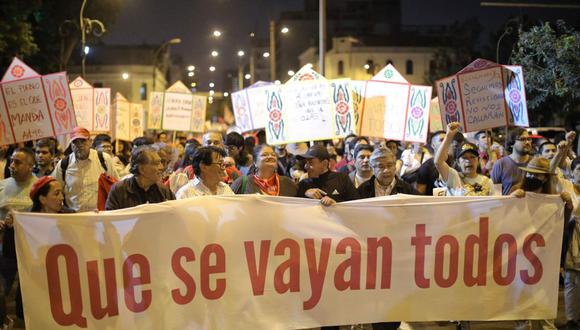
{"type": "Point", "coordinates": [467, 182]}
{"type": "Point", "coordinates": [264, 179]}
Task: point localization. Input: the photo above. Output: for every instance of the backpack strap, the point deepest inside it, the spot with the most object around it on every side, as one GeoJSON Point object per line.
{"type": "Point", "coordinates": [102, 160]}
{"type": "Point", "coordinates": [244, 183]}
{"type": "Point", "coordinates": [63, 166]}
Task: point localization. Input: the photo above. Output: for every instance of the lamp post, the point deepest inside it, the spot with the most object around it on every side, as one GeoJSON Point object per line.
{"type": "Point", "coordinates": [166, 44]}
{"type": "Point", "coordinates": [87, 26]}
{"type": "Point", "coordinates": [241, 54]}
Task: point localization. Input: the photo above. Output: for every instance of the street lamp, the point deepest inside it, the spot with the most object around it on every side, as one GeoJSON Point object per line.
{"type": "Point", "coordinates": [212, 68]}
{"type": "Point", "coordinates": [87, 26]}
{"type": "Point", "coordinates": [214, 53]}
{"type": "Point", "coordinates": [191, 68]}
{"type": "Point", "coordinates": [272, 53]}
{"type": "Point", "coordinates": [217, 33]}
{"type": "Point", "coordinates": [241, 53]}
{"type": "Point", "coordinates": [284, 30]}
{"type": "Point", "coordinates": [166, 44]}
{"type": "Point", "coordinates": [266, 54]}
{"type": "Point", "coordinates": [125, 76]}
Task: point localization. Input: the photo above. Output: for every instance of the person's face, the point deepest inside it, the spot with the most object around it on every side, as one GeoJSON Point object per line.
{"type": "Point", "coordinates": [384, 169]}
{"type": "Point", "coordinates": [482, 141]}
{"type": "Point", "coordinates": [213, 139]}
{"type": "Point", "coordinates": [163, 138]}
{"type": "Point", "coordinates": [468, 163]}
{"type": "Point", "coordinates": [43, 156]}
{"type": "Point", "coordinates": [437, 140]}
{"type": "Point", "coordinates": [52, 202]}
{"type": "Point", "coordinates": [21, 166]}
{"type": "Point", "coordinates": [229, 162]}
{"type": "Point", "coordinates": [549, 151]}
{"type": "Point", "coordinates": [165, 158]}
{"type": "Point", "coordinates": [362, 161]}
{"type": "Point", "coordinates": [233, 151]}
{"type": "Point", "coordinates": [267, 159]}
{"type": "Point", "coordinates": [180, 149]}
{"type": "Point", "coordinates": [153, 170]}
{"type": "Point", "coordinates": [281, 150]}
{"type": "Point", "coordinates": [81, 148]}
{"type": "Point", "coordinates": [523, 144]}
{"type": "Point", "coordinates": [214, 171]}
{"type": "Point", "coordinates": [106, 147]}
{"type": "Point", "coordinates": [315, 167]}
{"type": "Point", "coordinates": [393, 147]}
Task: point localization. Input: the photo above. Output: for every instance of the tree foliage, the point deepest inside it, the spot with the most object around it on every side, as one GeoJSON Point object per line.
{"type": "Point", "coordinates": [550, 57]}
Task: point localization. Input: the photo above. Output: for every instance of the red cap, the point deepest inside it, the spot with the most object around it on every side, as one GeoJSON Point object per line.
{"type": "Point", "coordinates": [39, 184]}
{"type": "Point", "coordinates": [80, 133]}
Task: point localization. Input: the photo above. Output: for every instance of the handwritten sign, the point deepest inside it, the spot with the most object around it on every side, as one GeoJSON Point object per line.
{"type": "Point", "coordinates": [92, 105]}
{"type": "Point", "coordinates": [177, 109]}
{"type": "Point", "coordinates": [343, 110]}
{"type": "Point", "coordinates": [136, 121]}
{"type": "Point", "coordinates": [417, 117]}
{"type": "Point", "coordinates": [483, 95]}
{"type": "Point", "coordinates": [34, 106]}
{"type": "Point", "coordinates": [310, 116]}
{"type": "Point", "coordinates": [357, 90]}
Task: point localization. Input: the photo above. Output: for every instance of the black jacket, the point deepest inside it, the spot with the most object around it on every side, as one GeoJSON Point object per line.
{"type": "Point", "coordinates": [127, 193]}
{"type": "Point", "coordinates": [336, 185]}
{"type": "Point", "coordinates": [367, 189]}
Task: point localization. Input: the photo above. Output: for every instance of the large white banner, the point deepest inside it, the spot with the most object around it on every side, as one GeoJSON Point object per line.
{"type": "Point", "coordinates": [257, 262]}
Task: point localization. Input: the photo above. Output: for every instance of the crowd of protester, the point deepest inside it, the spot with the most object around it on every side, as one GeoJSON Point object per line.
{"type": "Point", "coordinates": [93, 172]}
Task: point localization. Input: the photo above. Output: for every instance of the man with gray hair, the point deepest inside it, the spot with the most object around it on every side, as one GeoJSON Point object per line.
{"type": "Point", "coordinates": [384, 181]}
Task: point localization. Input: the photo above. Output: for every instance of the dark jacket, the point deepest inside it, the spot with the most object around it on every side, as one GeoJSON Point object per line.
{"type": "Point", "coordinates": [287, 186]}
{"type": "Point", "coordinates": [367, 189]}
{"type": "Point", "coordinates": [336, 185]}
{"type": "Point", "coordinates": [127, 193]}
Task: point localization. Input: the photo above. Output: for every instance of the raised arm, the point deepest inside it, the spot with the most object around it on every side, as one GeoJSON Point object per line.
{"type": "Point", "coordinates": [442, 153]}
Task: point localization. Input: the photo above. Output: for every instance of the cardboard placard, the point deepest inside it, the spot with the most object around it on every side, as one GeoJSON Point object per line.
{"type": "Point", "coordinates": [34, 106]}
{"type": "Point", "coordinates": [92, 105]}
{"type": "Point", "coordinates": [484, 95]}
{"type": "Point", "coordinates": [177, 109]}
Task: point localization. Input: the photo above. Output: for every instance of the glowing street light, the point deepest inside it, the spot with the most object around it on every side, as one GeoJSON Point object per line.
{"type": "Point", "coordinates": [291, 73]}
{"type": "Point", "coordinates": [212, 68]}
{"type": "Point", "coordinates": [190, 74]}
{"type": "Point", "coordinates": [125, 76]}
{"type": "Point", "coordinates": [226, 94]}
{"type": "Point", "coordinates": [214, 53]}
{"type": "Point", "coordinates": [211, 85]}
{"type": "Point", "coordinates": [217, 33]}
{"type": "Point", "coordinates": [248, 76]}
{"type": "Point", "coordinates": [241, 53]}
{"type": "Point", "coordinates": [87, 50]}
{"type": "Point", "coordinates": [191, 68]}
{"type": "Point", "coordinates": [284, 30]}
{"type": "Point", "coordinates": [266, 54]}
{"type": "Point", "coordinates": [366, 66]}
{"type": "Point", "coordinates": [211, 92]}
{"type": "Point", "coordinates": [193, 84]}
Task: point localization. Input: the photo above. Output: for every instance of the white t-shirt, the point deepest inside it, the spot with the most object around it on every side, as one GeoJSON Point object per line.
{"type": "Point", "coordinates": [460, 185]}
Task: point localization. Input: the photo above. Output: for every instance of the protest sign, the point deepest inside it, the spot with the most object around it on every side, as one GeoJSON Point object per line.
{"type": "Point", "coordinates": [34, 106]}
{"type": "Point", "coordinates": [121, 118]}
{"type": "Point", "coordinates": [92, 105]}
{"type": "Point", "coordinates": [136, 127]}
{"type": "Point", "coordinates": [250, 106]}
{"type": "Point", "coordinates": [435, 122]}
{"type": "Point", "coordinates": [260, 262]}
{"type": "Point", "coordinates": [405, 113]}
{"type": "Point", "coordinates": [483, 95]}
{"type": "Point", "coordinates": [177, 109]}
{"type": "Point", "coordinates": [310, 108]}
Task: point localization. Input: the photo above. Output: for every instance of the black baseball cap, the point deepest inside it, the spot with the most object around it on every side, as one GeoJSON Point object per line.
{"type": "Point", "coordinates": [467, 147]}
{"type": "Point", "coordinates": [316, 151]}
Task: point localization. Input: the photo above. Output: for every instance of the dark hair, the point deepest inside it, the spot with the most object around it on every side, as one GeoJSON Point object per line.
{"type": "Point", "coordinates": [100, 138]}
{"type": "Point", "coordinates": [434, 134]}
{"type": "Point", "coordinates": [234, 138]}
{"type": "Point", "coordinates": [188, 154]}
{"type": "Point", "coordinates": [258, 151]}
{"type": "Point", "coordinates": [545, 143]}
{"type": "Point", "coordinates": [513, 136]}
{"type": "Point", "coordinates": [125, 154]}
{"type": "Point", "coordinates": [142, 140]}
{"type": "Point", "coordinates": [140, 156]}
{"type": "Point", "coordinates": [28, 152]}
{"type": "Point", "coordinates": [352, 144]}
{"type": "Point", "coordinates": [249, 144]}
{"type": "Point", "coordinates": [203, 155]}
{"type": "Point", "coordinates": [361, 147]}
{"type": "Point", "coordinates": [47, 143]}
{"type": "Point", "coordinates": [159, 134]}
{"type": "Point", "coordinates": [43, 191]}
{"type": "Point", "coordinates": [261, 136]}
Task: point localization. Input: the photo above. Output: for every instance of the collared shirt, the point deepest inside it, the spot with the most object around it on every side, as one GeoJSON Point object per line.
{"type": "Point", "coordinates": [196, 188]}
{"type": "Point", "coordinates": [128, 193]}
{"type": "Point", "coordinates": [381, 190]}
{"type": "Point", "coordinates": [82, 180]}
{"type": "Point", "coordinates": [14, 195]}
{"type": "Point", "coordinates": [39, 173]}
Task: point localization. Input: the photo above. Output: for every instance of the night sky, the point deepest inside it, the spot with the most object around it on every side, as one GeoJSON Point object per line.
{"type": "Point", "coordinates": [154, 21]}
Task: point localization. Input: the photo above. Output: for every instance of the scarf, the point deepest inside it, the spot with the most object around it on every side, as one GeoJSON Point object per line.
{"type": "Point", "coordinates": [269, 186]}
